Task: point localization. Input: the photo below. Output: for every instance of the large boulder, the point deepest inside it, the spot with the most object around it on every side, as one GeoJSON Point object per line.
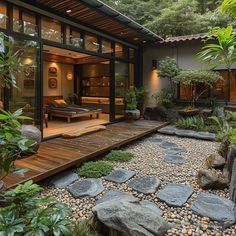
{"type": "Point", "coordinates": [130, 217]}
{"type": "Point", "coordinates": [223, 149]}
{"type": "Point", "coordinates": [231, 156]}
{"type": "Point", "coordinates": [215, 161]}
{"type": "Point", "coordinates": [210, 179]}
{"type": "Point", "coordinates": [232, 189]}
{"type": "Point", "coordinates": [32, 133]}
{"type": "Point", "coordinates": [156, 113]}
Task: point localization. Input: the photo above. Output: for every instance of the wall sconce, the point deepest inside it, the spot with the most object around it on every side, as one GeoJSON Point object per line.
{"type": "Point", "coordinates": [69, 76]}
{"type": "Point", "coordinates": [154, 64]}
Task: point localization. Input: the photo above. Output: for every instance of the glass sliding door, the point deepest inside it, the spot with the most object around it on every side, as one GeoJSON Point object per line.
{"type": "Point", "coordinates": [121, 85]}
{"type": "Point", "coordinates": [26, 79]}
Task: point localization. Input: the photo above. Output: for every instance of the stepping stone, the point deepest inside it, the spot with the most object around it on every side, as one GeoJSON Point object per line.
{"type": "Point", "coordinates": [152, 206]}
{"type": "Point", "coordinates": [145, 184]}
{"type": "Point", "coordinates": [174, 159]}
{"type": "Point", "coordinates": [168, 130]}
{"type": "Point", "coordinates": [175, 150]}
{"type": "Point", "coordinates": [157, 140]}
{"type": "Point", "coordinates": [205, 136]}
{"type": "Point", "coordinates": [63, 179]}
{"type": "Point", "coordinates": [86, 188]}
{"type": "Point", "coordinates": [120, 175]}
{"type": "Point", "coordinates": [175, 194]}
{"type": "Point", "coordinates": [185, 133]}
{"type": "Point", "coordinates": [115, 194]}
{"type": "Point", "coordinates": [215, 207]}
{"type": "Point", "coordinates": [168, 145]}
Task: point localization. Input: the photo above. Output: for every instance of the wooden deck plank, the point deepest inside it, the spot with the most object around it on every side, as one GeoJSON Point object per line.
{"type": "Point", "coordinates": [60, 154]}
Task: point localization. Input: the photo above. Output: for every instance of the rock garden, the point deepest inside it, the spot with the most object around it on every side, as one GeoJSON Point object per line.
{"type": "Point", "coordinates": [161, 185]}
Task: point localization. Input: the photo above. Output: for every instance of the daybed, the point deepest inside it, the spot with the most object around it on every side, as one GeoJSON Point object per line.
{"type": "Point", "coordinates": [59, 108]}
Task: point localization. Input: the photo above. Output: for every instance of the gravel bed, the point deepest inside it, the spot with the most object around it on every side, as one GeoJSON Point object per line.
{"type": "Point", "coordinates": [149, 161]}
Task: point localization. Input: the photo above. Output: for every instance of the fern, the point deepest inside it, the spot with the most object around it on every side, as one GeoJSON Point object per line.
{"type": "Point", "coordinates": [194, 123]}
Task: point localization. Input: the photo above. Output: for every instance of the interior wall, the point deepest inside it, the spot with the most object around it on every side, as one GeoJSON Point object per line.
{"type": "Point", "coordinates": [64, 86]}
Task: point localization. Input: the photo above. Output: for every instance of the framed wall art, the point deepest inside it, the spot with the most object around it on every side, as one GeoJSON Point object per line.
{"type": "Point", "coordinates": [52, 83]}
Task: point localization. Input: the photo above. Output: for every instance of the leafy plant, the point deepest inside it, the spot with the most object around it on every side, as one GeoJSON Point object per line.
{"type": "Point", "coordinates": [83, 229]}
{"type": "Point", "coordinates": [228, 7]}
{"type": "Point", "coordinates": [164, 98]}
{"type": "Point", "coordinates": [10, 63]}
{"type": "Point", "coordinates": [194, 122]}
{"type": "Point", "coordinates": [95, 169]}
{"type": "Point", "coordinates": [192, 78]}
{"type": "Point", "coordinates": [131, 99]}
{"type": "Point", "coordinates": [30, 215]}
{"type": "Point", "coordinates": [12, 143]}
{"type": "Point", "coordinates": [119, 156]}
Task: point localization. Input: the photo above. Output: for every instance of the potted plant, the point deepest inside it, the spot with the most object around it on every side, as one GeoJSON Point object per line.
{"type": "Point", "coordinates": [131, 112]}
{"type": "Point", "coordinates": [141, 95]}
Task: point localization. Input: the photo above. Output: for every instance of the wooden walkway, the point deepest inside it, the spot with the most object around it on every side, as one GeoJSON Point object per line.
{"type": "Point", "coordinates": [59, 154]}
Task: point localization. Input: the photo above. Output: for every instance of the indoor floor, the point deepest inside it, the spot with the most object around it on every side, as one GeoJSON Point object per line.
{"type": "Point", "coordinates": [59, 125]}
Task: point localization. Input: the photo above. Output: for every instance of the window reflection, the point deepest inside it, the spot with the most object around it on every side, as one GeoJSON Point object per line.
{"type": "Point", "coordinates": [3, 15]}
{"type": "Point", "coordinates": [51, 30]}
{"type": "Point", "coordinates": [106, 47]}
{"type": "Point", "coordinates": [91, 43]}
{"type": "Point", "coordinates": [74, 38]}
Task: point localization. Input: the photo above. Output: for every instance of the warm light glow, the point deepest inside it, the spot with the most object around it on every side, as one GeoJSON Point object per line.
{"type": "Point", "coordinates": [28, 61]}
{"type": "Point", "coordinates": [69, 76]}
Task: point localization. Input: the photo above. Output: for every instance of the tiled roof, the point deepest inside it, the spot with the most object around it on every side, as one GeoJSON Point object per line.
{"type": "Point", "coordinates": [184, 38]}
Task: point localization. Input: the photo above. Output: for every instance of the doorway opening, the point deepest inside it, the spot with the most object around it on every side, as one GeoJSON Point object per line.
{"type": "Point", "coordinates": [76, 91]}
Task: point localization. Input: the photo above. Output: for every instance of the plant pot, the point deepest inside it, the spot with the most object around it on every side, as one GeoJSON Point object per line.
{"type": "Point", "coordinates": [189, 112]}
{"type": "Point", "coordinates": [131, 115]}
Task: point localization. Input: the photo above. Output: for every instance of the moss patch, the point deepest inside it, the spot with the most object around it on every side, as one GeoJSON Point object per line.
{"type": "Point", "coordinates": [95, 169]}
{"type": "Point", "coordinates": [119, 156]}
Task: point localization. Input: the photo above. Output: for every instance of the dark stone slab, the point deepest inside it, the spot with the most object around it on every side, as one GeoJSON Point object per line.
{"type": "Point", "coordinates": [232, 189]}
{"type": "Point", "coordinates": [86, 188]}
{"type": "Point", "coordinates": [185, 133]}
{"type": "Point", "coordinates": [167, 130]}
{"type": "Point", "coordinates": [215, 207]}
{"type": "Point", "coordinates": [115, 194]}
{"type": "Point", "coordinates": [145, 184]}
{"type": "Point", "coordinates": [205, 136]}
{"type": "Point", "coordinates": [152, 206]}
{"type": "Point", "coordinates": [120, 175]}
{"type": "Point", "coordinates": [175, 150]}
{"type": "Point", "coordinates": [174, 159]}
{"type": "Point", "coordinates": [63, 179]}
{"type": "Point", "coordinates": [168, 145]}
{"type": "Point", "coordinates": [175, 194]}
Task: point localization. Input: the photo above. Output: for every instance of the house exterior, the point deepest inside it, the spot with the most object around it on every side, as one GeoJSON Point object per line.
{"type": "Point", "coordinates": [184, 49]}
{"type": "Point", "coordinates": [72, 49]}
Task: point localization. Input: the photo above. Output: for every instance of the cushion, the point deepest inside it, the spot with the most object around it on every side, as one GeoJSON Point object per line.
{"type": "Point", "coordinates": [60, 102]}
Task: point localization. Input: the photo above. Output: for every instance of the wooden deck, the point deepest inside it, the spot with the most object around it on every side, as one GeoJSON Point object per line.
{"type": "Point", "coordinates": [59, 154]}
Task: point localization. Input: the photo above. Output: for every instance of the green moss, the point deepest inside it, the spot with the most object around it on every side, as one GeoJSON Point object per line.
{"type": "Point", "coordinates": [119, 156]}
{"type": "Point", "coordinates": [95, 169]}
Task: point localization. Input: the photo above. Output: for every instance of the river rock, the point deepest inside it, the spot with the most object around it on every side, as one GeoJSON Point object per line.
{"type": "Point", "coordinates": [145, 184]}
{"type": "Point", "coordinates": [209, 179]}
{"type": "Point", "coordinates": [175, 194]}
{"type": "Point", "coordinates": [63, 179]}
{"type": "Point", "coordinates": [32, 133]}
{"type": "Point", "coordinates": [131, 218]}
{"type": "Point", "coordinates": [86, 188]}
{"type": "Point", "coordinates": [120, 175]}
{"type": "Point", "coordinates": [215, 161]}
{"type": "Point", "coordinates": [215, 207]}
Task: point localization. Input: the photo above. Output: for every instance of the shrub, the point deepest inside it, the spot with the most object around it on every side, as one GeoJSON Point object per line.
{"type": "Point", "coordinates": [131, 99]}
{"type": "Point", "coordinates": [95, 169]}
{"type": "Point", "coordinates": [194, 122]}
{"type": "Point", "coordinates": [164, 98]}
{"type": "Point", "coordinates": [27, 214]}
{"type": "Point", "coordinates": [120, 156]}
{"type": "Point", "coordinates": [83, 229]}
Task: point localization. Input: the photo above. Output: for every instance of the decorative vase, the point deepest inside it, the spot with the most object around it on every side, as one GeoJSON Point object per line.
{"type": "Point", "coordinates": [132, 115]}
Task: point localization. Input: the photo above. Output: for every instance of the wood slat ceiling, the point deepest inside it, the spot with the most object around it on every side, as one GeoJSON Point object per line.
{"type": "Point", "coordinates": [84, 13]}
